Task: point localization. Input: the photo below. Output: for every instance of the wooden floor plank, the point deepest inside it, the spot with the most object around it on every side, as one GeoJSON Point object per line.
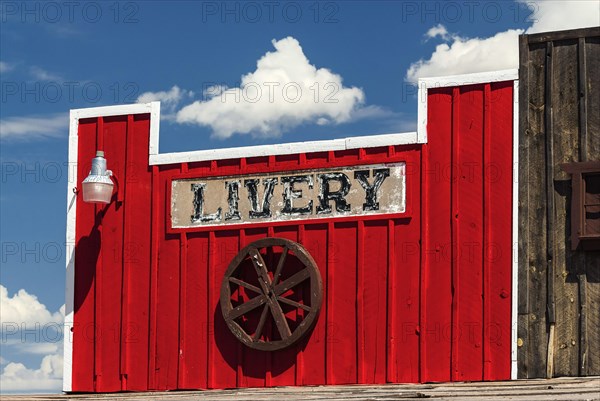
{"type": "Point", "coordinates": [566, 388]}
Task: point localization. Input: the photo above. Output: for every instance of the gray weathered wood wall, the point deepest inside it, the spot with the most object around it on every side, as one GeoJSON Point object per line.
{"type": "Point", "coordinates": [559, 122]}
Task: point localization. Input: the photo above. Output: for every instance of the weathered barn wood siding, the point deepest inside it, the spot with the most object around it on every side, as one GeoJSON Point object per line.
{"type": "Point", "coordinates": [559, 289]}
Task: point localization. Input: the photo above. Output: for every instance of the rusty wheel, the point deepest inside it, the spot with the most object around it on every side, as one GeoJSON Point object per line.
{"type": "Point", "coordinates": [271, 294]}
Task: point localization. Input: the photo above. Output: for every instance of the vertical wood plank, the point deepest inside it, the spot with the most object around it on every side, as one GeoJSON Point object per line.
{"type": "Point", "coordinates": [374, 287]}
{"type": "Point", "coordinates": [182, 349]}
{"type": "Point", "coordinates": [224, 356]}
{"type": "Point", "coordinates": [108, 308]}
{"type": "Point", "coordinates": [331, 255]}
{"type": "Point", "coordinates": [525, 69]}
{"type": "Point", "coordinates": [168, 282]}
{"type": "Point", "coordinates": [436, 283]}
{"type": "Point", "coordinates": [360, 305]}
{"type": "Point", "coordinates": [404, 274]}
{"type": "Point", "coordinates": [468, 242]}
{"type": "Point", "coordinates": [87, 237]}
{"type": "Point", "coordinates": [194, 337]}
{"type": "Point", "coordinates": [549, 188]}
{"type": "Point", "coordinates": [537, 336]}
{"type": "Point", "coordinates": [342, 304]}
{"type": "Point", "coordinates": [315, 354]}
{"type": "Point", "coordinates": [455, 238]}
{"type": "Point", "coordinates": [137, 184]}
{"type": "Point", "coordinates": [392, 357]}
{"type": "Point", "coordinates": [498, 246]}
{"type": "Point", "coordinates": [152, 341]}
{"type": "Point", "coordinates": [592, 56]}
{"type": "Point", "coordinates": [565, 137]}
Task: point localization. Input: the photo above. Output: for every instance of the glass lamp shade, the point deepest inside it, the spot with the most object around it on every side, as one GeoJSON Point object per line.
{"type": "Point", "coordinates": [98, 187]}
{"type": "Point", "coordinates": [97, 192]}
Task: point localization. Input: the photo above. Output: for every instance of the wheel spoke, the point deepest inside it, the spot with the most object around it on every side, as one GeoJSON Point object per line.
{"type": "Point", "coordinates": [280, 266]}
{"type": "Point", "coordinates": [294, 303]}
{"type": "Point", "coordinates": [261, 270]}
{"type": "Point", "coordinates": [280, 321]}
{"type": "Point", "coordinates": [245, 285]}
{"type": "Point", "coordinates": [292, 281]}
{"type": "Point", "coordinates": [247, 307]}
{"type": "Point", "coordinates": [261, 323]}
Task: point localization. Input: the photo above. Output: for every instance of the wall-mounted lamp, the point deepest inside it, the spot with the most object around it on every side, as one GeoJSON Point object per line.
{"type": "Point", "coordinates": [98, 187]}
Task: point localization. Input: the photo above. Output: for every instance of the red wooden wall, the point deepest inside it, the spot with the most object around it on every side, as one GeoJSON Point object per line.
{"type": "Point", "coordinates": [421, 298]}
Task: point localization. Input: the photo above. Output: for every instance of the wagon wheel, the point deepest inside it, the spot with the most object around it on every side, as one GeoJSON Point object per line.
{"type": "Point", "coordinates": [269, 305]}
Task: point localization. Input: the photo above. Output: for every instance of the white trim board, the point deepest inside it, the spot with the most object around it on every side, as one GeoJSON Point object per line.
{"type": "Point", "coordinates": [407, 138]}
{"type": "Point", "coordinates": [454, 80]}
{"type": "Point", "coordinates": [70, 256]}
{"type": "Point", "coordinates": [515, 235]}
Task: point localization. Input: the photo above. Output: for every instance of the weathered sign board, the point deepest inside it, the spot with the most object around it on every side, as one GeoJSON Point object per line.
{"type": "Point", "coordinates": [298, 195]}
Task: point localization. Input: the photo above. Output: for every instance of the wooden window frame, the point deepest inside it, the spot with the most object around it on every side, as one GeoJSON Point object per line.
{"type": "Point", "coordinates": [579, 238]}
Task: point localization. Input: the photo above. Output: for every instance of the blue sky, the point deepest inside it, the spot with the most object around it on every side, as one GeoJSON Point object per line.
{"type": "Point", "coordinates": [57, 56]}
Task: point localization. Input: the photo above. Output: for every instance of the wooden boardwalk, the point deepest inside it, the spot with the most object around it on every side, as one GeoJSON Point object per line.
{"type": "Point", "coordinates": [567, 389]}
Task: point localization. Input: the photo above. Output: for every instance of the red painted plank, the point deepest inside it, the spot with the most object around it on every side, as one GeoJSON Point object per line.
{"type": "Point", "coordinates": [405, 275]}
{"type": "Point", "coordinates": [86, 252]}
{"type": "Point", "coordinates": [331, 251]}
{"type": "Point", "coordinates": [488, 142]}
{"type": "Point", "coordinates": [361, 323]}
{"type": "Point", "coordinates": [152, 306]}
{"type": "Point", "coordinates": [314, 355]}
{"type": "Point", "coordinates": [341, 308]}
{"type": "Point", "coordinates": [195, 338]}
{"type": "Point", "coordinates": [436, 299]}
{"type": "Point", "coordinates": [498, 252]}
{"type": "Point", "coordinates": [167, 302]}
{"type": "Point", "coordinates": [468, 230]}
{"type": "Point", "coordinates": [136, 256]}
{"type": "Point", "coordinates": [108, 299]}
{"type": "Point", "coordinates": [374, 286]}
{"type": "Point", "coordinates": [224, 354]}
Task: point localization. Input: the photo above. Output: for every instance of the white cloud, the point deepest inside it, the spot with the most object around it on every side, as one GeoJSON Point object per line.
{"type": "Point", "coordinates": [42, 75]}
{"type": "Point", "coordinates": [283, 92]}
{"type": "Point", "coordinates": [170, 98]}
{"type": "Point", "coordinates": [42, 337]}
{"type": "Point", "coordinates": [558, 15]}
{"type": "Point", "coordinates": [34, 127]}
{"type": "Point", "coordinates": [438, 30]}
{"type": "Point", "coordinates": [462, 55]}
{"type": "Point", "coordinates": [25, 308]}
{"type": "Point", "coordinates": [5, 67]}
{"type": "Point", "coordinates": [17, 378]}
